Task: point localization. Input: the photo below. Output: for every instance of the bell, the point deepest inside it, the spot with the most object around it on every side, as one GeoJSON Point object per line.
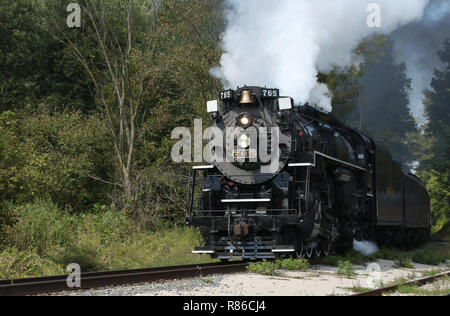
{"type": "Point", "coordinates": [246, 97]}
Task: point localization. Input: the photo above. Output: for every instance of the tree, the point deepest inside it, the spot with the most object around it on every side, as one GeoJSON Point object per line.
{"type": "Point", "coordinates": [437, 110]}
{"type": "Point", "coordinates": [149, 63]}
{"type": "Point", "coordinates": [33, 67]}
{"type": "Point", "coordinates": [346, 83]}
{"type": "Point", "coordinates": [44, 155]}
{"type": "Point", "coordinates": [382, 111]}
{"type": "Point", "coordinates": [435, 164]}
{"type": "Point", "coordinates": [121, 69]}
{"type": "Point", "coordinates": [191, 32]}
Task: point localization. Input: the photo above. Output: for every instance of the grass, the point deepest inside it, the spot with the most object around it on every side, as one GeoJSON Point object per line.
{"type": "Point", "coordinates": [207, 281]}
{"type": "Point", "coordinates": [353, 257]}
{"type": "Point", "coordinates": [402, 279]}
{"type": "Point", "coordinates": [346, 268]}
{"type": "Point", "coordinates": [430, 254]}
{"type": "Point", "coordinates": [271, 268]}
{"type": "Point", "coordinates": [43, 241]}
{"type": "Point", "coordinates": [294, 264]}
{"type": "Point", "coordinates": [357, 288]}
{"type": "Point", "coordinates": [439, 288]}
{"type": "Point", "coordinates": [404, 262]}
{"type": "Point", "coordinates": [433, 272]}
{"type": "Point", "coordinates": [265, 267]}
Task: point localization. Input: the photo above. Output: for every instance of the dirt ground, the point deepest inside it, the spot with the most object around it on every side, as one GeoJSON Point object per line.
{"type": "Point", "coordinates": [318, 281]}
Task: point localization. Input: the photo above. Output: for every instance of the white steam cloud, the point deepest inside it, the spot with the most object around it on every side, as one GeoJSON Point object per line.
{"type": "Point", "coordinates": [367, 248]}
{"type": "Point", "coordinates": [286, 43]}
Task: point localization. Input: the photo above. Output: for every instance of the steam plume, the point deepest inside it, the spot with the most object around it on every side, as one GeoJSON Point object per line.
{"type": "Point", "coordinates": [286, 43]}
{"type": "Point", "coordinates": [367, 248]}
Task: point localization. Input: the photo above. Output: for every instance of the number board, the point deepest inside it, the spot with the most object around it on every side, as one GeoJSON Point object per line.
{"type": "Point", "coordinates": [226, 95]}
{"type": "Point", "coordinates": [270, 93]}
{"type": "Point", "coordinates": [245, 154]}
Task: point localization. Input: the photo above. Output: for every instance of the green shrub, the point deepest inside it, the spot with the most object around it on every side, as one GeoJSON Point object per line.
{"type": "Point", "coordinates": [432, 272]}
{"type": "Point", "coordinates": [293, 264]}
{"type": "Point", "coordinates": [19, 264]}
{"type": "Point", "coordinates": [346, 268]}
{"type": "Point", "coordinates": [437, 289]}
{"type": "Point", "coordinates": [353, 257]}
{"type": "Point", "coordinates": [263, 267]}
{"type": "Point", "coordinates": [386, 254]}
{"type": "Point", "coordinates": [358, 288]}
{"type": "Point", "coordinates": [103, 239]}
{"type": "Point", "coordinates": [437, 184]}
{"type": "Point", "coordinates": [424, 256]}
{"type": "Point", "coordinates": [39, 227]}
{"type": "Point", "coordinates": [404, 262]}
{"type": "Point", "coordinates": [53, 155]}
{"type": "Point", "coordinates": [331, 260]}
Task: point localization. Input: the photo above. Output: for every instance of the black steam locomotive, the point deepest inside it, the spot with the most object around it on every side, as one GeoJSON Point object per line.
{"type": "Point", "coordinates": [293, 180]}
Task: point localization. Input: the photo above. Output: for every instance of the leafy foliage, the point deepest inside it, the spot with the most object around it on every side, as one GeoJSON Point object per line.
{"type": "Point", "coordinates": [56, 139]}
{"type": "Point", "coordinates": [384, 97]}
{"type": "Point", "coordinates": [264, 267]}
{"type": "Point", "coordinates": [43, 239]}
{"type": "Point", "coordinates": [435, 162]}
{"type": "Point", "coordinates": [294, 264]}
{"type": "Point", "coordinates": [404, 262]}
{"type": "Point", "coordinates": [52, 155]}
{"type": "Point", "coordinates": [437, 107]}
{"type": "Point", "coordinates": [33, 67]}
{"type": "Point", "coordinates": [346, 268]}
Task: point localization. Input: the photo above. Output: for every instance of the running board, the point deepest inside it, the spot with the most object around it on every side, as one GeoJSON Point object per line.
{"type": "Point", "coordinates": [283, 250]}
{"type": "Point", "coordinates": [203, 251]}
{"type": "Point", "coordinates": [247, 201]}
{"type": "Point", "coordinates": [313, 165]}
{"type": "Point", "coordinates": [202, 167]}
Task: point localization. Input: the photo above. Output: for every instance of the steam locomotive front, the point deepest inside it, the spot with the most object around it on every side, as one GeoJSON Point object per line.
{"type": "Point", "coordinates": [249, 125]}
{"type": "Point", "coordinates": [244, 204]}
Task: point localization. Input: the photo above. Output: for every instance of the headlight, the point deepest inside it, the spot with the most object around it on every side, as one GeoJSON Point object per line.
{"type": "Point", "coordinates": [244, 120]}
{"type": "Point", "coordinates": [244, 141]}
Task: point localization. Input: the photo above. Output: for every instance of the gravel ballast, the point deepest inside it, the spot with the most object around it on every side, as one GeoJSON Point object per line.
{"type": "Point", "coordinates": [317, 281]}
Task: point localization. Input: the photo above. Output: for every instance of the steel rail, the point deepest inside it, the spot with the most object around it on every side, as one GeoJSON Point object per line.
{"type": "Point", "coordinates": [92, 280]}
{"type": "Point", "coordinates": [388, 289]}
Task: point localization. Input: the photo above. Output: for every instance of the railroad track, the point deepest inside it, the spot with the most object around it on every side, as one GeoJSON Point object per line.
{"type": "Point", "coordinates": [92, 280]}
{"type": "Point", "coordinates": [393, 288]}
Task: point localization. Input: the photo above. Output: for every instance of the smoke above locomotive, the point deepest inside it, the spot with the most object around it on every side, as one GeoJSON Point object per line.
{"type": "Point", "coordinates": [287, 43]}
{"type": "Point", "coordinates": [285, 180]}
